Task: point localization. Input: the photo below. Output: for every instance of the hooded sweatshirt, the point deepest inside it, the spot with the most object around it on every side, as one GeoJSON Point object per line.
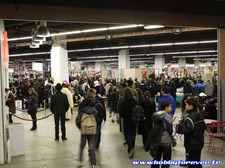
{"type": "Point", "coordinates": [166, 139]}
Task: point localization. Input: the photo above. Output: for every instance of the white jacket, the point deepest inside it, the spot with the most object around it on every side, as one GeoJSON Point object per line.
{"type": "Point", "coordinates": [70, 100]}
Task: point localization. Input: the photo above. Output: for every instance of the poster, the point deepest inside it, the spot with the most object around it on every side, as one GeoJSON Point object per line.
{"type": "Point", "coordinates": [21, 66]}
{"type": "Point", "coordinates": [144, 74]}
{"type": "Point", "coordinates": [75, 66]}
{"type": "Point", "coordinates": [16, 66]}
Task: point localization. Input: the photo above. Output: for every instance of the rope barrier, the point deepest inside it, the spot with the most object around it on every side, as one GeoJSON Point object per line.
{"type": "Point", "coordinates": [31, 119]}
{"type": "Point", "coordinates": [26, 110]}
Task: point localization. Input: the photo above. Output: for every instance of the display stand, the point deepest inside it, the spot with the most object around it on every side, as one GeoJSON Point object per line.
{"type": "Point", "coordinates": [16, 137]}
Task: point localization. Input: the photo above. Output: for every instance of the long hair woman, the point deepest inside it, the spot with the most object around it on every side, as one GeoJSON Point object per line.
{"type": "Point", "coordinates": [125, 110]}
{"type": "Point", "coordinates": [149, 108]}
{"type": "Point", "coordinates": [32, 107]}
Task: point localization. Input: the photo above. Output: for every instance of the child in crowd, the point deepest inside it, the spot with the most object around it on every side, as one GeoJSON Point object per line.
{"type": "Point", "coordinates": [193, 127]}
{"type": "Point", "coordinates": [164, 149]}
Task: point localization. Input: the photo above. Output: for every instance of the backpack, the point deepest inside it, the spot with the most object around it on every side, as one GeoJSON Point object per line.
{"type": "Point", "coordinates": [137, 114]}
{"type": "Point", "coordinates": [88, 124]}
{"type": "Point", "coordinates": [154, 136]}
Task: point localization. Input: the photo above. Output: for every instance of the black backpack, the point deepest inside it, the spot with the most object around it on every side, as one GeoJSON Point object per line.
{"type": "Point", "coordinates": [154, 136]}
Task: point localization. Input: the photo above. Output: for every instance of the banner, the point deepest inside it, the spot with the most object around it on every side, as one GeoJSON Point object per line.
{"type": "Point", "coordinates": [75, 66]}
{"type": "Point", "coordinates": [21, 66]}
{"type": "Point", "coordinates": [16, 66]}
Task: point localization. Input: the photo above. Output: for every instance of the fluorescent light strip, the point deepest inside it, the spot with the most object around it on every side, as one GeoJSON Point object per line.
{"type": "Point", "coordinates": [186, 43]}
{"type": "Point", "coordinates": [28, 54]}
{"type": "Point", "coordinates": [96, 49]}
{"type": "Point", "coordinates": [139, 46]}
{"type": "Point", "coordinates": [165, 44]}
{"type": "Point", "coordinates": [124, 27]}
{"type": "Point", "coordinates": [153, 27]}
{"type": "Point", "coordinates": [20, 38]}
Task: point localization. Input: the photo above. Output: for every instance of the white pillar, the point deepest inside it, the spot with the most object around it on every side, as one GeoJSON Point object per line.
{"type": "Point", "coordinates": [90, 67]}
{"type": "Point", "coordinates": [124, 59]}
{"type": "Point", "coordinates": [85, 68]}
{"type": "Point", "coordinates": [4, 82]}
{"type": "Point", "coordinates": [182, 62]}
{"type": "Point", "coordinates": [159, 64]}
{"type": "Point", "coordinates": [59, 64]}
{"type": "Point", "coordinates": [99, 66]}
{"type": "Point", "coordinates": [142, 66]}
{"type": "Point", "coordinates": [197, 64]}
{"type": "Point", "coordinates": [208, 63]}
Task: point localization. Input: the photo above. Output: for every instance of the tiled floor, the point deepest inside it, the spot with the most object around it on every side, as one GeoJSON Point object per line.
{"type": "Point", "coordinates": [42, 151]}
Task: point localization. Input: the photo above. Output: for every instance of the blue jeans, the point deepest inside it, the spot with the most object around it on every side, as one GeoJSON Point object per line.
{"type": "Point", "coordinates": [110, 111]}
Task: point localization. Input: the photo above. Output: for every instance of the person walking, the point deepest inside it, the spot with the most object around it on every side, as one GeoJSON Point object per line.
{"type": "Point", "coordinates": [88, 112]}
{"type": "Point", "coordinates": [59, 105]}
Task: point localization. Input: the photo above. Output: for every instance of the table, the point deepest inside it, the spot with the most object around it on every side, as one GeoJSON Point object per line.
{"type": "Point", "coordinates": [209, 122]}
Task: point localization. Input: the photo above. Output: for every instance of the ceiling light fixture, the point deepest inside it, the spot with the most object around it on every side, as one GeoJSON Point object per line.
{"type": "Point", "coordinates": [43, 30]}
{"type": "Point", "coordinates": [153, 27]}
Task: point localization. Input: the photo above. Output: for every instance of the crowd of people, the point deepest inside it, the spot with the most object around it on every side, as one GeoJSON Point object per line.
{"type": "Point", "coordinates": [123, 96]}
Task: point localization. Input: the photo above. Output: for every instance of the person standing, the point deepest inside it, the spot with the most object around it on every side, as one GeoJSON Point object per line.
{"type": "Point", "coordinates": [10, 102]}
{"type": "Point", "coordinates": [165, 96]}
{"type": "Point", "coordinates": [59, 105]}
{"type": "Point", "coordinates": [193, 127]}
{"type": "Point", "coordinates": [32, 106]}
{"type": "Point", "coordinates": [69, 95]}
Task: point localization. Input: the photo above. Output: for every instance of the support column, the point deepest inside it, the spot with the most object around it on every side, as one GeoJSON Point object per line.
{"type": "Point", "coordinates": [90, 67]}
{"type": "Point", "coordinates": [159, 64]}
{"type": "Point", "coordinates": [182, 62]}
{"type": "Point", "coordinates": [99, 66]}
{"type": "Point", "coordinates": [4, 82]}
{"type": "Point", "coordinates": [197, 64]}
{"type": "Point", "coordinates": [142, 66]}
{"type": "Point", "coordinates": [124, 59]}
{"type": "Point", "coordinates": [221, 75]}
{"type": "Point", "coordinates": [59, 64]}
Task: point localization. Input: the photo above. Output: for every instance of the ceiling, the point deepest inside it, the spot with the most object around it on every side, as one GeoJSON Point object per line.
{"type": "Point", "coordinates": [91, 47]}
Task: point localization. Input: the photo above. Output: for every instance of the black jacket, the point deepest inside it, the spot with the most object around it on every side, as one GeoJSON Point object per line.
{"type": "Point", "coordinates": [143, 88]}
{"type": "Point", "coordinates": [32, 101]}
{"type": "Point", "coordinates": [59, 103]}
{"type": "Point", "coordinates": [125, 110]}
{"type": "Point", "coordinates": [187, 88]}
{"type": "Point", "coordinates": [113, 100]}
{"type": "Point", "coordinates": [210, 109]}
{"type": "Point", "coordinates": [193, 128]}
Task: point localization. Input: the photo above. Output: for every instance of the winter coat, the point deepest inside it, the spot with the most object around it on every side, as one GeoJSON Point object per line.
{"type": "Point", "coordinates": [210, 109]}
{"type": "Point", "coordinates": [10, 102]}
{"type": "Point", "coordinates": [70, 100]}
{"type": "Point", "coordinates": [166, 139]}
{"type": "Point", "coordinates": [33, 101]}
{"type": "Point", "coordinates": [193, 127]}
{"type": "Point", "coordinates": [143, 88]}
{"type": "Point", "coordinates": [59, 103]}
{"type": "Point", "coordinates": [88, 110]}
{"type": "Point", "coordinates": [125, 110]}
{"type": "Point", "coordinates": [112, 99]}
{"type": "Point", "coordinates": [187, 88]}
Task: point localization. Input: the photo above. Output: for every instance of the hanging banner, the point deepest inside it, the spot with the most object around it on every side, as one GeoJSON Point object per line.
{"type": "Point", "coordinates": [16, 66]}
{"type": "Point", "coordinates": [21, 66]}
{"type": "Point", "coordinates": [144, 74]}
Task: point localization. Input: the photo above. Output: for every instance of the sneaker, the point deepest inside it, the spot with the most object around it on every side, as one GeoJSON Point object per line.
{"type": "Point", "coordinates": [95, 166]}
{"type": "Point", "coordinates": [131, 153]}
{"type": "Point", "coordinates": [81, 164]}
{"type": "Point", "coordinates": [113, 121]}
